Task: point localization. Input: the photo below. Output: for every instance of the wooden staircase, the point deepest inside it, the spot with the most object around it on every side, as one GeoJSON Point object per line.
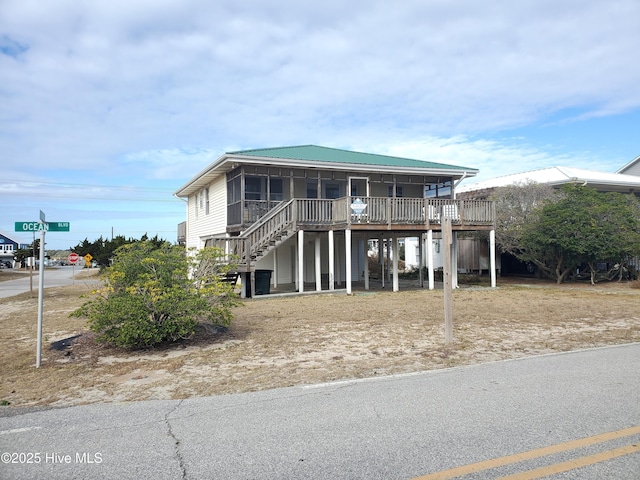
{"type": "Point", "coordinates": [269, 232]}
{"type": "Point", "coordinates": [262, 237]}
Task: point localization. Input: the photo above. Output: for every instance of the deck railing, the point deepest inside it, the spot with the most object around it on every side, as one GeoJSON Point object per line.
{"type": "Point", "coordinates": [410, 211]}
{"type": "Point", "coordinates": [282, 221]}
{"type": "Point", "coordinates": [371, 210]}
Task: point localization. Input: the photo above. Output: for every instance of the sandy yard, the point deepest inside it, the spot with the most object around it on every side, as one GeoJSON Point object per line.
{"type": "Point", "coordinates": [284, 341]}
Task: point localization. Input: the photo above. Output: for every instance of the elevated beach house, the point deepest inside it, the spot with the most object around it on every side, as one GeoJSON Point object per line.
{"type": "Point", "coordinates": [307, 214]}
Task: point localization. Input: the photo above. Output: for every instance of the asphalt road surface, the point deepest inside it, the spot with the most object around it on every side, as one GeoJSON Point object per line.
{"type": "Point", "coordinates": [53, 277]}
{"type": "Point", "coordinates": [582, 408]}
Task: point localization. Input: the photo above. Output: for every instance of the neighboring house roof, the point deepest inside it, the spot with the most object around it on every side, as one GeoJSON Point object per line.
{"type": "Point", "coordinates": [555, 176]}
{"type": "Point", "coordinates": [8, 239]}
{"type": "Point", "coordinates": [313, 156]}
{"type": "Point", "coordinates": [631, 168]}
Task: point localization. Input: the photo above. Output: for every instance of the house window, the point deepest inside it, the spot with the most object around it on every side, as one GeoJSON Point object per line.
{"type": "Point", "coordinates": [398, 193]}
{"type": "Point", "coordinates": [206, 201]}
{"type": "Point", "coordinates": [253, 188]}
{"type": "Point", "coordinates": [444, 190]}
{"type": "Point", "coordinates": [276, 192]}
{"type": "Point", "coordinates": [234, 190]}
{"type": "Point", "coordinates": [312, 189]}
{"type": "Point", "coordinates": [440, 190]}
{"type": "Point", "coordinates": [332, 190]}
{"type": "Point", "coordinates": [195, 204]}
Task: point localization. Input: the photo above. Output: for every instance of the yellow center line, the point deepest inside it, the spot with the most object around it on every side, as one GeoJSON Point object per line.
{"type": "Point", "coordinates": [531, 454]}
{"type": "Point", "coordinates": [573, 464]}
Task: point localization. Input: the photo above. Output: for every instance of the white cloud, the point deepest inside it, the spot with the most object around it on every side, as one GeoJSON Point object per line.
{"type": "Point", "coordinates": [100, 80]}
{"type": "Point", "coordinates": [170, 163]}
{"type": "Point", "coordinates": [155, 87]}
{"type": "Point", "coordinates": [492, 158]}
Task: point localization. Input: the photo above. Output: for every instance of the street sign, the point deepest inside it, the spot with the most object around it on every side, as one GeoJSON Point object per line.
{"type": "Point", "coordinates": [87, 258]}
{"type": "Point", "coordinates": [58, 226]}
{"type": "Point", "coordinates": [42, 226]}
{"type": "Point", "coordinates": [32, 227]}
{"type": "Point", "coordinates": [73, 258]}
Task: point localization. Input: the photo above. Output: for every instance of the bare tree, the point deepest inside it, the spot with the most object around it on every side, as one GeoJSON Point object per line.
{"type": "Point", "coordinates": [517, 206]}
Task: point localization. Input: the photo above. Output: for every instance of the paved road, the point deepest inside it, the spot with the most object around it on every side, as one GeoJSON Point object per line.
{"type": "Point", "coordinates": [383, 428]}
{"type": "Point", "coordinates": [53, 277]}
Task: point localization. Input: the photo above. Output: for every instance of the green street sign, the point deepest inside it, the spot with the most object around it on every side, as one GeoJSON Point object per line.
{"type": "Point", "coordinates": [58, 226]}
{"type": "Point", "coordinates": [40, 226]}
{"type": "Point", "coordinates": [31, 227]}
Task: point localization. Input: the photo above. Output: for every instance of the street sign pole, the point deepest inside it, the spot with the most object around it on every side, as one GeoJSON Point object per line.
{"type": "Point", "coordinates": [447, 236]}
{"type": "Point", "coordinates": [40, 291]}
{"type": "Point", "coordinates": [42, 226]}
{"type": "Point", "coordinates": [73, 258]}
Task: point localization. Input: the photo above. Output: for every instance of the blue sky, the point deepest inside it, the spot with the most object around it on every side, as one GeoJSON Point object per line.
{"type": "Point", "coordinates": [108, 107]}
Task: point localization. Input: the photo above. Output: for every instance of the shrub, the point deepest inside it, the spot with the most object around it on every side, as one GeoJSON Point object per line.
{"type": "Point", "coordinates": [156, 294]}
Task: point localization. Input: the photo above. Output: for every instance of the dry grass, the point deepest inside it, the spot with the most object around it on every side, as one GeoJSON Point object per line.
{"type": "Point", "coordinates": [277, 342]}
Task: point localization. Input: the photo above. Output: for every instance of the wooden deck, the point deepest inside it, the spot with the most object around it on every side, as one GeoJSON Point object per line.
{"type": "Point", "coordinates": [383, 213]}
{"type": "Point", "coordinates": [374, 214]}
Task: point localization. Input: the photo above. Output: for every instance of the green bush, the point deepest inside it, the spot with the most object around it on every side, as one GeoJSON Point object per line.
{"type": "Point", "coordinates": [156, 294]}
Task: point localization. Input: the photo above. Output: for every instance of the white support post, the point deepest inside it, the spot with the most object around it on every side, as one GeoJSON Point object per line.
{"type": "Point", "coordinates": [430, 259]}
{"type": "Point", "coordinates": [347, 258]}
{"type": "Point", "coordinates": [492, 257]}
{"type": "Point", "coordinates": [421, 260]}
{"type": "Point", "coordinates": [318, 265]}
{"type": "Point", "coordinates": [331, 261]}
{"type": "Point", "coordinates": [389, 268]}
{"type": "Point", "coordinates": [381, 258]}
{"type": "Point", "coordinates": [300, 261]}
{"type": "Point", "coordinates": [396, 254]}
{"type": "Point", "coordinates": [366, 263]}
{"type": "Point", "coordinates": [454, 259]}
{"type": "Point", "coordinates": [274, 277]}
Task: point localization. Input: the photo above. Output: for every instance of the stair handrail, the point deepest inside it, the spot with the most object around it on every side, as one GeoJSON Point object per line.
{"type": "Point", "coordinates": [269, 227]}
{"type": "Point", "coordinates": [266, 217]}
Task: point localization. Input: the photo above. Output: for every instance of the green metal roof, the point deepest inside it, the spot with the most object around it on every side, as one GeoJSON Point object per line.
{"type": "Point", "coordinates": [336, 155]}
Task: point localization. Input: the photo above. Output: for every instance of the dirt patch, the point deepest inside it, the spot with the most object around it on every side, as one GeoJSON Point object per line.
{"type": "Point", "coordinates": [284, 341]}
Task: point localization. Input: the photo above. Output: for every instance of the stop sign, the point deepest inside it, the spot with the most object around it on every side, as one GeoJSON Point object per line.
{"type": "Point", "coordinates": [73, 257]}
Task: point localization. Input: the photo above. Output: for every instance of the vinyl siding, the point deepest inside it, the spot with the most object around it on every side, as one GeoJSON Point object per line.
{"type": "Point", "coordinates": [201, 224]}
{"type": "Point", "coordinates": [634, 170]}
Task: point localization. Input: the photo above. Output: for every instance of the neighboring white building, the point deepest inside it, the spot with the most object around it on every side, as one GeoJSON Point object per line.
{"type": "Point", "coordinates": [557, 176]}
{"type": "Point", "coordinates": [473, 255]}
{"type": "Point", "coordinates": [307, 213]}
{"type": "Point", "coordinates": [631, 168]}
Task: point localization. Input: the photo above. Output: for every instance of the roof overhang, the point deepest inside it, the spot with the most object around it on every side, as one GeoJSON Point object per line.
{"type": "Point", "coordinates": [228, 162]}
